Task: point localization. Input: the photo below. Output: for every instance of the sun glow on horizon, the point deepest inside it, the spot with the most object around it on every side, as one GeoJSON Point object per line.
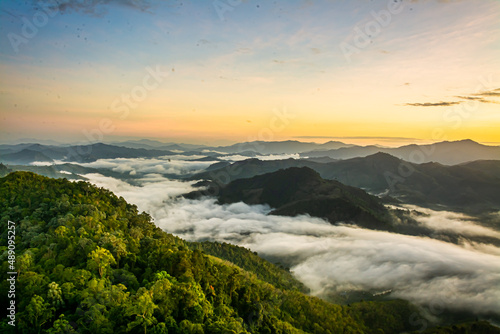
{"type": "Point", "coordinates": [184, 74]}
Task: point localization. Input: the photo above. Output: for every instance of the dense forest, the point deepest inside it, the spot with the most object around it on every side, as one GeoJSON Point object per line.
{"type": "Point", "coordinates": [89, 262]}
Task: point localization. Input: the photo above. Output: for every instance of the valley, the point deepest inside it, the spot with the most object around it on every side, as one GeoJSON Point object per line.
{"type": "Point", "coordinates": [329, 226]}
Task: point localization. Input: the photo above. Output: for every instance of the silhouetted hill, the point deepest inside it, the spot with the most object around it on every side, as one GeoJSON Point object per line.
{"type": "Point", "coordinates": [471, 187]}
{"type": "Point", "coordinates": [224, 172]}
{"type": "Point", "coordinates": [296, 191]}
{"type": "Point", "coordinates": [488, 167]}
{"type": "Point", "coordinates": [279, 147]}
{"type": "Point", "coordinates": [79, 153]}
{"type": "Point", "coordinates": [24, 156]}
{"type": "Point", "coordinates": [447, 153]}
{"type": "Point", "coordinates": [154, 144]}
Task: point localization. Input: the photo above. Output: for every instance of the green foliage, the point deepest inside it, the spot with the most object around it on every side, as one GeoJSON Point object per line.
{"type": "Point", "coordinates": [54, 294]}
{"type": "Point", "coordinates": [100, 260]}
{"type": "Point", "coordinates": [477, 327]}
{"type": "Point", "coordinates": [278, 276]}
{"type": "Point", "coordinates": [37, 313]}
{"type": "Point", "coordinates": [91, 263]}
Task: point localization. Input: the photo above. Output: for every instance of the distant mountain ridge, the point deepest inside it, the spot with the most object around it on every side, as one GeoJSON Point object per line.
{"type": "Point", "coordinates": [154, 144]}
{"type": "Point", "coordinates": [279, 147]}
{"type": "Point", "coordinates": [447, 153]}
{"type": "Point", "coordinates": [472, 186]}
{"type": "Point", "coordinates": [25, 154]}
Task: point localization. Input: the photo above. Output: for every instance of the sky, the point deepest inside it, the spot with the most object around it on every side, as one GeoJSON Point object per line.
{"type": "Point", "coordinates": [217, 72]}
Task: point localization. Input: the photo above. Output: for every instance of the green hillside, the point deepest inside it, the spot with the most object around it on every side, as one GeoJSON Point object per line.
{"type": "Point", "coordinates": [88, 262]}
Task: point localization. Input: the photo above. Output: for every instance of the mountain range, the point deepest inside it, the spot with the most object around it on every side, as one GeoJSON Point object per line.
{"type": "Point", "coordinates": [28, 153]}
{"type": "Point", "coordinates": [471, 186]}
{"type": "Point", "coordinates": [447, 153]}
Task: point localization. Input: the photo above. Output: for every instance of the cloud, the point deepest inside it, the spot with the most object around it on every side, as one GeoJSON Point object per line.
{"type": "Point", "coordinates": [173, 165]}
{"type": "Point", "coordinates": [479, 97]}
{"type": "Point", "coordinates": [41, 163]}
{"type": "Point", "coordinates": [150, 195]}
{"type": "Point", "coordinates": [494, 92]}
{"type": "Point", "coordinates": [238, 157]}
{"type": "Point", "coordinates": [451, 222]}
{"type": "Point", "coordinates": [475, 98]}
{"type": "Point", "coordinates": [331, 259]}
{"type": "Point", "coordinates": [93, 7]}
{"type": "Point", "coordinates": [432, 104]}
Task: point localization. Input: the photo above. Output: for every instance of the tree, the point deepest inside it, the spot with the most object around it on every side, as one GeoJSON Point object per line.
{"type": "Point", "coordinates": [118, 245]}
{"type": "Point", "coordinates": [24, 262]}
{"type": "Point", "coordinates": [55, 295]}
{"type": "Point", "coordinates": [37, 313]}
{"type": "Point", "coordinates": [142, 307]}
{"type": "Point", "coordinates": [61, 326]}
{"type": "Point", "coordinates": [100, 260]}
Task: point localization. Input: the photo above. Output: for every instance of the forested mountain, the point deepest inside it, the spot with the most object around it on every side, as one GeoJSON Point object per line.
{"type": "Point", "coordinates": [88, 262]}
{"type": "Point", "coordinates": [295, 191]}
{"type": "Point", "coordinates": [471, 187]}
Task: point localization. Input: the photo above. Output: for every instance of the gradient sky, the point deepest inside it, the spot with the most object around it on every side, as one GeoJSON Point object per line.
{"type": "Point", "coordinates": [428, 71]}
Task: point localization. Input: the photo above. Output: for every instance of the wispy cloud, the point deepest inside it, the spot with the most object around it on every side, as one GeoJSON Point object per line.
{"type": "Point", "coordinates": [450, 222]}
{"type": "Point", "coordinates": [93, 7]}
{"type": "Point", "coordinates": [494, 92]}
{"type": "Point", "coordinates": [479, 97]}
{"type": "Point", "coordinates": [433, 104]}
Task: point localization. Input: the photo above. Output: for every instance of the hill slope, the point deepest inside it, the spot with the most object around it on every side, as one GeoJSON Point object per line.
{"type": "Point", "coordinates": [295, 191]}
{"type": "Point", "coordinates": [88, 262]}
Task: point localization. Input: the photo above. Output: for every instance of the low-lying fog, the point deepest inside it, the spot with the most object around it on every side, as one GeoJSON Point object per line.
{"type": "Point", "coordinates": [329, 258]}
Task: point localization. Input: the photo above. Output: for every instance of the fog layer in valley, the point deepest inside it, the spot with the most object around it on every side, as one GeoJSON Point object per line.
{"type": "Point", "coordinates": [331, 259]}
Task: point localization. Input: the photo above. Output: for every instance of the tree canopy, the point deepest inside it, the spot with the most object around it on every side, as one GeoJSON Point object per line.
{"type": "Point", "coordinates": [89, 262]}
